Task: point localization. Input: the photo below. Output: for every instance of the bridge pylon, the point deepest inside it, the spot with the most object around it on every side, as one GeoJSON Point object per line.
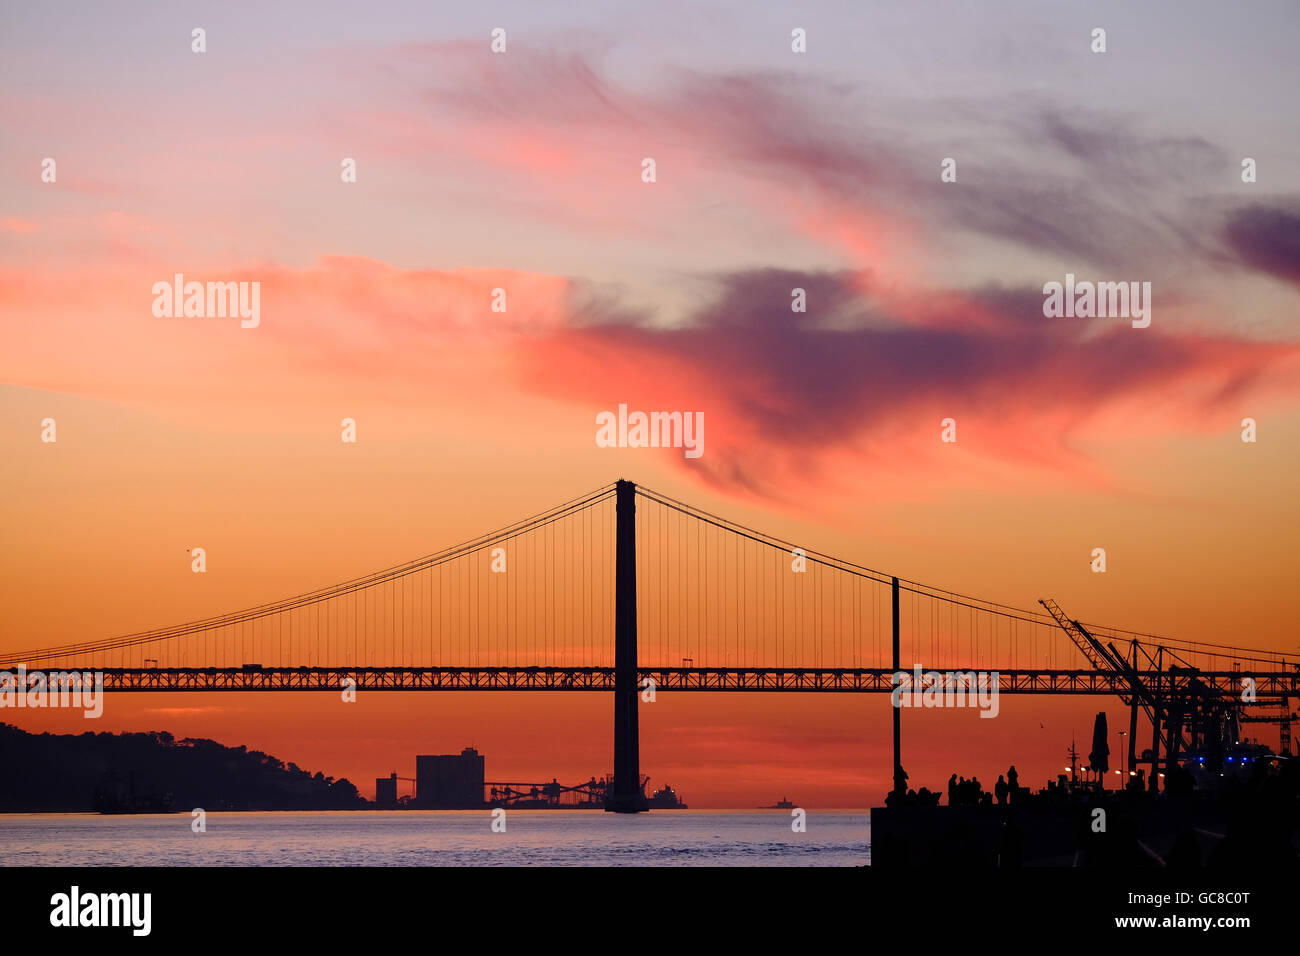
{"type": "Point", "coordinates": [627, 794]}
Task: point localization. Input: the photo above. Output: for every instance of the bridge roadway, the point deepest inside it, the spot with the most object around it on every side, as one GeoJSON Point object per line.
{"type": "Point", "coordinates": [1269, 685]}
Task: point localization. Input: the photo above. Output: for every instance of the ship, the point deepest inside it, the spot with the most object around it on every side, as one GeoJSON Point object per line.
{"type": "Point", "coordinates": [782, 804]}
{"type": "Point", "coordinates": [111, 797]}
{"type": "Point", "coordinates": [136, 804]}
{"type": "Point", "coordinates": [666, 798]}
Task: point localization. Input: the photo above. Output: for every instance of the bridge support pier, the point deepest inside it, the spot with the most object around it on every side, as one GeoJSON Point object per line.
{"type": "Point", "coordinates": [900, 781]}
{"type": "Point", "coordinates": [627, 795]}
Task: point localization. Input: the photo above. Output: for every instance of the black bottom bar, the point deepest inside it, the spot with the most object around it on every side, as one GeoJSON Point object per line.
{"type": "Point", "coordinates": [1027, 909]}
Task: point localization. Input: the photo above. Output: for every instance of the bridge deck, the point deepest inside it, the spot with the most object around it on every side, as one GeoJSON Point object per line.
{"type": "Point", "coordinates": [1269, 685]}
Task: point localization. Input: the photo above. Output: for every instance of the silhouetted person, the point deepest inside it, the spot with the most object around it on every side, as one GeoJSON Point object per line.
{"type": "Point", "coordinates": [1000, 791]}
{"type": "Point", "coordinates": [900, 780]}
{"type": "Point", "coordinates": [952, 790]}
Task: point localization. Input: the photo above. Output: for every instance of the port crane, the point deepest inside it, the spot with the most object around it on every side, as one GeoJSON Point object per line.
{"type": "Point", "coordinates": [1185, 712]}
{"type": "Point", "coordinates": [590, 793]}
{"type": "Point", "coordinates": [513, 793]}
{"type": "Point", "coordinates": [1283, 718]}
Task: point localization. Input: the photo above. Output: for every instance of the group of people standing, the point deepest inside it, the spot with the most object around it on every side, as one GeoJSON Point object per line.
{"type": "Point", "coordinates": [969, 793]}
{"type": "Point", "coordinates": [961, 792]}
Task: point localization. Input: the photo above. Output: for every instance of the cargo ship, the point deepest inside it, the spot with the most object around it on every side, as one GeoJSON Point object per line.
{"type": "Point", "coordinates": [666, 798]}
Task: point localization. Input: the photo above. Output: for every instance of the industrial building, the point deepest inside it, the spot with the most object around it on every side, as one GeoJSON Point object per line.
{"type": "Point", "coordinates": [386, 792]}
{"type": "Point", "coordinates": [450, 781]}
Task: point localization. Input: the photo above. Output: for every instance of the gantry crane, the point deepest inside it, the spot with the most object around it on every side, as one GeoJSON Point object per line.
{"type": "Point", "coordinates": [1185, 711]}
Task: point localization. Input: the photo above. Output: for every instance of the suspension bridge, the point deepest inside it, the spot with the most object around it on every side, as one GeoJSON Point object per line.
{"type": "Point", "coordinates": [626, 588]}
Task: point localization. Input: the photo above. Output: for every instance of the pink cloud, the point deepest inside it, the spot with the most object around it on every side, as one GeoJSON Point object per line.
{"type": "Point", "coordinates": [789, 401]}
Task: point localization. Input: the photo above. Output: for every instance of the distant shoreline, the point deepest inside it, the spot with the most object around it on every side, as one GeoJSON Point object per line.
{"type": "Point", "coordinates": [661, 812]}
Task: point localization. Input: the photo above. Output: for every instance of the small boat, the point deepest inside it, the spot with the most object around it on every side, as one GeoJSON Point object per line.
{"type": "Point", "coordinates": [135, 804]}
{"type": "Point", "coordinates": [111, 797]}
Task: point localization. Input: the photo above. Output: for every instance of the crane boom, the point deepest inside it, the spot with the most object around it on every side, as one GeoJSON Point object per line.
{"type": "Point", "coordinates": [1086, 643]}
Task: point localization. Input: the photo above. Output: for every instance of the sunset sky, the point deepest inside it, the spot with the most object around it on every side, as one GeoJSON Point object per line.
{"type": "Point", "coordinates": [522, 170]}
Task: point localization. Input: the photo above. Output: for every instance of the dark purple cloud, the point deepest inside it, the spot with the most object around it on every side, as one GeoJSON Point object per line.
{"type": "Point", "coordinates": [1267, 238]}
{"type": "Point", "coordinates": [789, 388]}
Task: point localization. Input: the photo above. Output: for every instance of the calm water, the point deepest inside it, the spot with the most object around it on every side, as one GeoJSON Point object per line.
{"type": "Point", "coordinates": [438, 838]}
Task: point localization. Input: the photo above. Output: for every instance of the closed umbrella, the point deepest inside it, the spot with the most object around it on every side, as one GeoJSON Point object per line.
{"type": "Point", "coordinates": [1100, 751]}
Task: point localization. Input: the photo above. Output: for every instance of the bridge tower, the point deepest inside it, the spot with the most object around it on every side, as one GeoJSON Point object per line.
{"type": "Point", "coordinates": [627, 795]}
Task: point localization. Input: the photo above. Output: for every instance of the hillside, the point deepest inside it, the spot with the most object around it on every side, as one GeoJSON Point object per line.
{"type": "Point", "coordinates": [80, 772]}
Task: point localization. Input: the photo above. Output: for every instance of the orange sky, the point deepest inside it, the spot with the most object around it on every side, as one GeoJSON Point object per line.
{"type": "Point", "coordinates": [108, 513]}
{"type": "Point", "coordinates": [523, 173]}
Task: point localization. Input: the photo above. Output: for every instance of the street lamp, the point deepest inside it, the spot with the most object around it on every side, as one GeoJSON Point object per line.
{"type": "Point", "coordinates": [1122, 735]}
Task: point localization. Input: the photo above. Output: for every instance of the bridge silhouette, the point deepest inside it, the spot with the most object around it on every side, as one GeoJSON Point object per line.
{"type": "Point", "coordinates": [625, 588]}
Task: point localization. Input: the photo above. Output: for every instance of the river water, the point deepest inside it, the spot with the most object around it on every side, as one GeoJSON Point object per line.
{"type": "Point", "coordinates": [438, 838]}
